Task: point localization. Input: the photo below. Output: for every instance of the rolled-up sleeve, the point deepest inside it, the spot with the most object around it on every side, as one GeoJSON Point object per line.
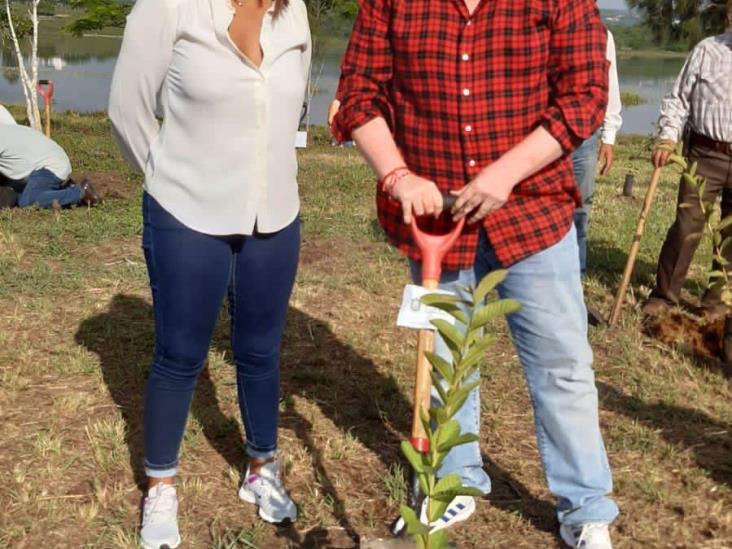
{"type": "Point", "coordinates": [578, 73]}
{"type": "Point", "coordinates": [144, 58]}
{"type": "Point", "coordinates": [366, 71]}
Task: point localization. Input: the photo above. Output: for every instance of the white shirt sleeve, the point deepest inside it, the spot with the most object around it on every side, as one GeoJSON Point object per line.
{"type": "Point", "coordinates": [676, 105]}
{"type": "Point", "coordinates": [613, 120]}
{"type": "Point", "coordinates": [6, 117]}
{"type": "Point", "coordinates": [144, 58]}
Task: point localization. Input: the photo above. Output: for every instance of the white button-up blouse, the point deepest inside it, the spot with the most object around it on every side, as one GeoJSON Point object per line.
{"type": "Point", "coordinates": [223, 160]}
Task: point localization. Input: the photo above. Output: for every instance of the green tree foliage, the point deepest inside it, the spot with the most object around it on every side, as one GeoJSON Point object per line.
{"type": "Point", "coordinates": [682, 21]}
{"type": "Point", "coordinates": [23, 25]}
{"type": "Point", "coordinates": [98, 14]}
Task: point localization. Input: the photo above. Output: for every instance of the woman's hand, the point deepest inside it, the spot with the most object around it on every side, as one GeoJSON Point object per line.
{"type": "Point", "coordinates": [333, 109]}
{"type": "Point", "coordinates": [481, 196]}
{"type": "Point", "coordinates": [418, 194]}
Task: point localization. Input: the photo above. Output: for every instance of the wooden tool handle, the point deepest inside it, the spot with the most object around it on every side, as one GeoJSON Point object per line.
{"type": "Point", "coordinates": [635, 246]}
{"type": "Point", "coordinates": [423, 384]}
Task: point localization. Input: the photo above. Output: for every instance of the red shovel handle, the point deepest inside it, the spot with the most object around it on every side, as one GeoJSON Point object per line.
{"type": "Point", "coordinates": [434, 247]}
{"type": "Point", "coordinates": [47, 92]}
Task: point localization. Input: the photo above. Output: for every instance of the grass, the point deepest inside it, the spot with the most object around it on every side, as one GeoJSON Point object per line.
{"type": "Point", "coordinates": [76, 339]}
{"type": "Point", "coordinates": [631, 99]}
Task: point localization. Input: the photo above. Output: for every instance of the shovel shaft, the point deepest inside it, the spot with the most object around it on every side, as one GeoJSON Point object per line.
{"type": "Point", "coordinates": [423, 385]}
{"type": "Point", "coordinates": [635, 246]}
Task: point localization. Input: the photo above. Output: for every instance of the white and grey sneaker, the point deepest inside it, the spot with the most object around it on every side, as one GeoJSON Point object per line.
{"type": "Point", "coordinates": [160, 518]}
{"type": "Point", "coordinates": [265, 490]}
{"type": "Point", "coordinates": [593, 535]}
{"type": "Point", "coordinates": [460, 509]}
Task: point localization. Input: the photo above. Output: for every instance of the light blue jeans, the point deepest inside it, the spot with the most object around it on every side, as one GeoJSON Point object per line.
{"type": "Point", "coordinates": [550, 334]}
{"type": "Point", "coordinates": [584, 160]}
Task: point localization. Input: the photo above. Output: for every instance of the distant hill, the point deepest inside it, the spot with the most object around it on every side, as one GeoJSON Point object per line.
{"type": "Point", "coordinates": [624, 18]}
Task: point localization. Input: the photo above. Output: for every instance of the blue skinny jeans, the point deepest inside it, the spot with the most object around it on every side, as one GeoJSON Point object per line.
{"type": "Point", "coordinates": [190, 274]}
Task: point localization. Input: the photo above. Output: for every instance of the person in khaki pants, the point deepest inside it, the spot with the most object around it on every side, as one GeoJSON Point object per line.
{"type": "Point", "coordinates": [702, 97]}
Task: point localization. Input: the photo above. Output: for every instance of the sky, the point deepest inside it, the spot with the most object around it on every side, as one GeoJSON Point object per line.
{"type": "Point", "coordinates": [612, 4]}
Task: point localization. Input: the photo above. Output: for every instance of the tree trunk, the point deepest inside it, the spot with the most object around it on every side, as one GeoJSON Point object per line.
{"type": "Point", "coordinates": [28, 83]}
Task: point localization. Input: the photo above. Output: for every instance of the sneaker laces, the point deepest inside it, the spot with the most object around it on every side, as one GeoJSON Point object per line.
{"type": "Point", "coordinates": [593, 531]}
{"type": "Point", "coordinates": [160, 504]}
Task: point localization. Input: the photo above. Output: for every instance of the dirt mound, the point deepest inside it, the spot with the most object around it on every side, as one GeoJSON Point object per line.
{"type": "Point", "coordinates": [701, 336]}
{"type": "Point", "coordinates": [110, 186]}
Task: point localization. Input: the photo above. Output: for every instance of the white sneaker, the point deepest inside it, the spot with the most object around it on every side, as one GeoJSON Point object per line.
{"type": "Point", "coordinates": [460, 509]}
{"type": "Point", "coordinates": [160, 518]}
{"type": "Point", "coordinates": [265, 490]}
{"type": "Point", "coordinates": [593, 535]}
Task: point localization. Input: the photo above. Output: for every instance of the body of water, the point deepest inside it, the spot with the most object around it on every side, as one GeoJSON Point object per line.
{"type": "Point", "coordinates": [81, 69]}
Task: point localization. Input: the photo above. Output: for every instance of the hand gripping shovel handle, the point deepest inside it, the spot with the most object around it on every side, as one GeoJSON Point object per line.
{"type": "Point", "coordinates": [433, 249]}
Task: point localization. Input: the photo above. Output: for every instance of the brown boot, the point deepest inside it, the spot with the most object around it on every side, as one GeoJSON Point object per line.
{"type": "Point", "coordinates": [90, 197]}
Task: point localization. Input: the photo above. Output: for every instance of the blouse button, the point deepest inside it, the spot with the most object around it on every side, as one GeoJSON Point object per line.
{"type": "Point", "coordinates": [466, 92]}
{"type": "Point", "coordinates": [466, 57]}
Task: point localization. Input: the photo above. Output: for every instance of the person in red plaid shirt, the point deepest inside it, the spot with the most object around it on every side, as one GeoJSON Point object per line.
{"type": "Point", "coordinates": [486, 100]}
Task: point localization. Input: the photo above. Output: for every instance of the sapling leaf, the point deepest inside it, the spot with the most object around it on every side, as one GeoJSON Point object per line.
{"type": "Point", "coordinates": [688, 205]}
{"type": "Point", "coordinates": [441, 299]}
{"type": "Point", "coordinates": [466, 438]}
{"type": "Point", "coordinates": [502, 307]}
{"type": "Point", "coordinates": [439, 415]}
{"type": "Point", "coordinates": [449, 495]}
{"type": "Point", "coordinates": [717, 239]}
{"type": "Point", "coordinates": [447, 432]}
{"type": "Point", "coordinates": [454, 311]}
{"type": "Point", "coordinates": [724, 223]}
{"type": "Point", "coordinates": [437, 509]}
{"type": "Point", "coordinates": [690, 180]}
{"type": "Point", "coordinates": [449, 333]}
{"type": "Point", "coordinates": [437, 384]}
{"type": "Point", "coordinates": [414, 526]}
{"type": "Point", "coordinates": [478, 350]}
{"type": "Point", "coordinates": [441, 365]}
{"type": "Point", "coordinates": [414, 458]}
{"type": "Point", "coordinates": [679, 160]}
{"type": "Point", "coordinates": [439, 540]}
{"type": "Point", "coordinates": [694, 236]}
{"type": "Point", "coordinates": [423, 484]}
{"type": "Point", "coordinates": [725, 245]}
{"type": "Point", "coordinates": [488, 284]}
{"type": "Point", "coordinates": [692, 168]}
{"type": "Point", "coordinates": [457, 399]}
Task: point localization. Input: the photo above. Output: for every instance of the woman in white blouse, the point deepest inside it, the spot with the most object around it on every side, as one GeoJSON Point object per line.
{"type": "Point", "coordinates": [220, 210]}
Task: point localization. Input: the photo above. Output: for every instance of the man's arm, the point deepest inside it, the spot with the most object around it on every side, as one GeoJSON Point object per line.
{"type": "Point", "coordinates": [579, 81]}
{"type": "Point", "coordinates": [613, 120]}
{"type": "Point", "coordinates": [675, 108]}
{"type": "Point", "coordinates": [364, 110]}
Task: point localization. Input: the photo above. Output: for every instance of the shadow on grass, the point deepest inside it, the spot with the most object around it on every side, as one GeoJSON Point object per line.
{"type": "Point", "coordinates": [123, 338]}
{"type": "Point", "coordinates": [316, 365]}
{"type": "Point", "coordinates": [607, 262]}
{"type": "Point", "coordinates": [686, 428]}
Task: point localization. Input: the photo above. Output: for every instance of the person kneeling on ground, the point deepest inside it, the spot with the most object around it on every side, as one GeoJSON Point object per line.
{"type": "Point", "coordinates": [37, 169]}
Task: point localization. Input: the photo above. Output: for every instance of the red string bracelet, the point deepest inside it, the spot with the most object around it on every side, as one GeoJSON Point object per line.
{"type": "Point", "coordinates": [389, 181]}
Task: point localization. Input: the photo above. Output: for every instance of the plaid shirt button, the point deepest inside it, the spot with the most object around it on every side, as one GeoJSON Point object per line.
{"type": "Point", "coordinates": [468, 128]}
{"type": "Point", "coordinates": [466, 92]}
{"type": "Point", "coordinates": [472, 163]}
{"type": "Point", "coordinates": [466, 57]}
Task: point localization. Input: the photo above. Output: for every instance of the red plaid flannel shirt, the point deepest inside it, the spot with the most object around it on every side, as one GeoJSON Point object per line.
{"type": "Point", "coordinates": [460, 90]}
